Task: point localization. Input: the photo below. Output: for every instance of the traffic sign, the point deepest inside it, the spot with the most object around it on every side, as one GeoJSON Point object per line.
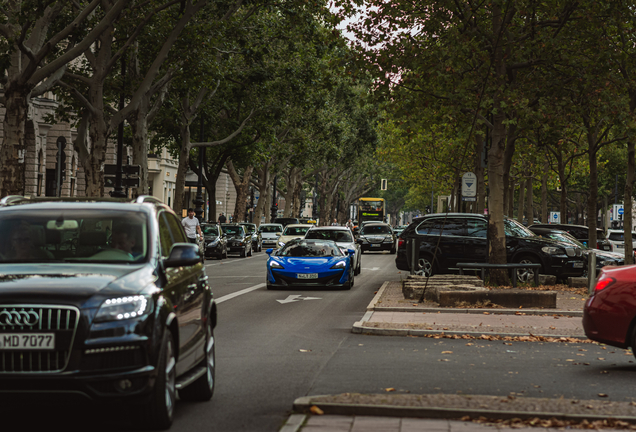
{"type": "Point", "coordinates": [129, 170]}
{"type": "Point", "coordinates": [469, 185]}
{"type": "Point", "coordinates": [555, 217]}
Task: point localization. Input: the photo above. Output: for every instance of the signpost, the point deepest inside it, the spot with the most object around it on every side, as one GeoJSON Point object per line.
{"type": "Point", "coordinates": [555, 217]}
{"type": "Point", "coordinates": [469, 187]}
{"type": "Point", "coordinates": [131, 173]}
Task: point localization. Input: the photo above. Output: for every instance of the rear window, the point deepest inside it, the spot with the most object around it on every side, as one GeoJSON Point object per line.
{"type": "Point", "coordinates": [299, 231]}
{"type": "Point", "coordinates": [375, 229]}
{"type": "Point", "coordinates": [270, 228]}
{"type": "Point", "coordinates": [335, 235]}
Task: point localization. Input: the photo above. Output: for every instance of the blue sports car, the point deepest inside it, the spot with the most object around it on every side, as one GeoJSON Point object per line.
{"type": "Point", "coordinates": [309, 263]}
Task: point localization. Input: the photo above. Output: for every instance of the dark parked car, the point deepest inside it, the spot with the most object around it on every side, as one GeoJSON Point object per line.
{"type": "Point", "coordinates": [285, 221]}
{"type": "Point", "coordinates": [238, 240]}
{"type": "Point", "coordinates": [214, 240]}
{"type": "Point", "coordinates": [610, 312]}
{"type": "Point", "coordinates": [104, 299]}
{"type": "Point", "coordinates": [603, 258]}
{"type": "Point", "coordinates": [462, 237]}
{"type": "Point", "coordinates": [376, 236]}
{"type": "Point", "coordinates": [582, 234]}
{"type": "Point", "coordinates": [257, 239]}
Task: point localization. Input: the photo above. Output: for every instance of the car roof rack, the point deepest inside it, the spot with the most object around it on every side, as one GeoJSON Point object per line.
{"type": "Point", "coordinates": [148, 199]}
{"type": "Point", "coordinates": [12, 199]}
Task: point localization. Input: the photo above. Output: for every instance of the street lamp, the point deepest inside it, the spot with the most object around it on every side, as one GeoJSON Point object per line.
{"type": "Point", "coordinates": [274, 209]}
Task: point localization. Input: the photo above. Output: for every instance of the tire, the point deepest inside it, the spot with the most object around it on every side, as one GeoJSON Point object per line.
{"type": "Point", "coordinates": [269, 287]}
{"type": "Point", "coordinates": [203, 388]}
{"type": "Point", "coordinates": [243, 253]}
{"type": "Point", "coordinates": [350, 283]}
{"type": "Point", "coordinates": [393, 250]}
{"type": "Point", "coordinates": [158, 412]}
{"type": "Point", "coordinates": [525, 275]}
{"type": "Point", "coordinates": [260, 247]}
{"type": "Point", "coordinates": [426, 266]}
{"type": "Point", "coordinates": [251, 251]}
{"type": "Point", "coordinates": [225, 253]}
{"type": "Point", "coordinates": [358, 269]}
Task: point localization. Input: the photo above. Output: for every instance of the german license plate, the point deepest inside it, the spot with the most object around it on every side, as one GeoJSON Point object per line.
{"type": "Point", "coordinates": [578, 265]}
{"type": "Point", "coordinates": [27, 341]}
{"type": "Point", "coordinates": [376, 245]}
{"type": "Point", "coordinates": [606, 248]}
{"type": "Point", "coordinates": [307, 275]}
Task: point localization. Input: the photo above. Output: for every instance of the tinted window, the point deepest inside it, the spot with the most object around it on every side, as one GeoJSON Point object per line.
{"type": "Point", "coordinates": [210, 230]}
{"type": "Point", "coordinates": [300, 231]}
{"type": "Point", "coordinates": [375, 229]}
{"type": "Point", "coordinates": [233, 230]}
{"type": "Point", "coordinates": [164, 235]}
{"type": "Point", "coordinates": [513, 228]}
{"type": "Point", "coordinates": [477, 228]}
{"type": "Point", "coordinates": [304, 248]}
{"type": "Point", "coordinates": [250, 228]}
{"type": "Point", "coordinates": [78, 235]}
{"type": "Point", "coordinates": [270, 228]}
{"type": "Point", "coordinates": [334, 235]}
{"type": "Point", "coordinates": [450, 226]}
{"type": "Point", "coordinates": [600, 235]}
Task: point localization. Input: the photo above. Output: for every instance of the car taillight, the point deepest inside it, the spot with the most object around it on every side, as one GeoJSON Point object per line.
{"type": "Point", "coordinates": [400, 242]}
{"type": "Point", "coordinates": [604, 283]}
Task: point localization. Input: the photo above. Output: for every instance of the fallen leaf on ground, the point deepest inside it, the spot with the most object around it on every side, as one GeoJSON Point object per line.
{"type": "Point", "coordinates": [447, 352]}
{"type": "Point", "coordinates": [315, 410]}
{"type": "Point", "coordinates": [390, 389]}
{"type": "Point", "coordinates": [304, 350]}
{"type": "Point", "coordinates": [602, 395]}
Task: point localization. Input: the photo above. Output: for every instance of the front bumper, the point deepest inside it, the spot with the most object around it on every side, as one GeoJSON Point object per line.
{"type": "Point", "coordinates": [376, 247]}
{"type": "Point", "coordinates": [282, 278]}
{"type": "Point", "coordinates": [214, 250]}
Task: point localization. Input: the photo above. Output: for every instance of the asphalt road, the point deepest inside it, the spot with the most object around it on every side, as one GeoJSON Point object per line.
{"type": "Point", "coordinates": [275, 346]}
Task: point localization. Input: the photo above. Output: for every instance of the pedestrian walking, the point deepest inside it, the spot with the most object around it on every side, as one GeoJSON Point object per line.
{"type": "Point", "coordinates": [222, 218]}
{"type": "Point", "coordinates": [335, 222]}
{"type": "Point", "coordinates": [349, 224]}
{"type": "Point", "coordinates": [191, 226]}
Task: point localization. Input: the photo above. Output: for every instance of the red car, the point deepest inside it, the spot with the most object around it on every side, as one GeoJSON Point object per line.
{"type": "Point", "coordinates": [610, 312]}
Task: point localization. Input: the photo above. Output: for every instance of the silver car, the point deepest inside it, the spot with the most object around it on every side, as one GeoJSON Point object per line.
{"type": "Point", "coordinates": [270, 233]}
{"type": "Point", "coordinates": [343, 238]}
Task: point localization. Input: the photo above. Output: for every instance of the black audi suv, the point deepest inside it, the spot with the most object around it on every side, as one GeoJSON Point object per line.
{"type": "Point", "coordinates": [104, 299]}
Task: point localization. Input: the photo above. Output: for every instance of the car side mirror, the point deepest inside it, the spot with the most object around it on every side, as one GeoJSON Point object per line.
{"type": "Point", "coordinates": [351, 252]}
{"type": "Point", "coordinates": [183, 254]}
{"type": "Point", "coordinates": [269, 251]}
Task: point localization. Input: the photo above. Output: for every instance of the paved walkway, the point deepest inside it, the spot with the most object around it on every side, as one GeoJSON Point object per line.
{"type": "Point", "coordinates": [341, 423]}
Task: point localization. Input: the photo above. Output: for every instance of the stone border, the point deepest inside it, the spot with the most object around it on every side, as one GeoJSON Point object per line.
{"type": "Point", "coordinates": [303, 405]}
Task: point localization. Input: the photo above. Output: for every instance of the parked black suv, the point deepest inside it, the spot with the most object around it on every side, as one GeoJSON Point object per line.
{"type": "Point", "coordinates": [463, 239]}
{"type": "Point", "coordinates": [582, 234]}
{"type": "Point", "coordinates": [105, 299]}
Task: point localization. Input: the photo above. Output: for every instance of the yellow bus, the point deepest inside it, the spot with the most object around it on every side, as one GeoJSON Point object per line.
{"type": "Point", "coordinates": [371, 209]}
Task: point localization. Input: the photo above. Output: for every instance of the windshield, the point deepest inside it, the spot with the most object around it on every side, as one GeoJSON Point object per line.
{"type": "Point", "coordinates": [298, 231]}
{"type": "Point", "coordinates": [513, 228]}
{"type": "Point", "coordinates": [270, 228]}
{"type": "Point", "coordinates": [311, 248]}
{"type": "Point", "coordinates": [375, 229]}
{"type": "Point", "coordinates": [233, 230]}
{"type": "Point", "coordinates": [78, 235]}
{"type": "Point", "coordinates": [334, 235]}
{"type": "Point", "coordinates": [620, 236]}
{"type": "Point", "coordinates": [250, 228]}
{"type": "Point", "coordinates": [210, 230]}
{"type": "Point", "coordinates": [567, 238]}
{"type": "Point", "coordinates": [371, 205]}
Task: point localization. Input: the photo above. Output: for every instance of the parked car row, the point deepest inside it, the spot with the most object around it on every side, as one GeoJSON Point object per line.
{"type": "Point", "coordinates": [449, 239]}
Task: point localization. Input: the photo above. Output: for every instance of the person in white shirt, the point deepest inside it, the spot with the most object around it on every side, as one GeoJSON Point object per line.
{"type": "Point", "coordinates": [191, 226]}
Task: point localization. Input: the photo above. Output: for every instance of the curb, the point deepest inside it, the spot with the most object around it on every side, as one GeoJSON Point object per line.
{"type": "Point", "coordinates": [303, 405]}
{"type": "Point", "coordinates": [360, 328]}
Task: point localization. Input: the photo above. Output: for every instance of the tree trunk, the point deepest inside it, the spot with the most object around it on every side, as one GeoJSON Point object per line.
{"type": "Point", "coordinates": [13, 149]}
{"type": "Point", "coordinates": [182, 168]}
{"type": "Point", "coordinates": [591, 201]}
{"type": "Point", "coordinates": [479, 173]}
{"type": "Point", "coordinates": [139, 128]}
{"type": "Point", "coordinates": [627, 217]}
{"type": "Point", "coordinates": [544, 193]}
{"type": "Point", "coordinates": [242, 186]}
{"type": "Point", "coordinates": [510, 211]}
{"type": "Point", "coordinates": [529, 200]}
{"type": "Point", "coordinates": [521, 200]}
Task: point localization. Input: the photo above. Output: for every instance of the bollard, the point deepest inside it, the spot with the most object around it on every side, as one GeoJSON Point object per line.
{"type": "Point", "coordinates": [591, 272]}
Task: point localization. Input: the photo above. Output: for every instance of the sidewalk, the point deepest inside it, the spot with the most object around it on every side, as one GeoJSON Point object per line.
{"type": "Point", "coordinates": [391, 317]}
{"type": "Point", "coordinates": [389, 314]}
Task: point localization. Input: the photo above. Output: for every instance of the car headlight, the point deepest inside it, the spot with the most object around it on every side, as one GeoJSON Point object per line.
{"type": "Point", "coordinates": [275, 264]}
{"type": "Point", "coordinates": [388, 240]}
{"type": "Point", "coordinates": [281, 244]}
{"type": "Point", "coordinates": [339, 264]}
{"type": "Point", "coordinates": [551, 250]}
{"type": "Point", "coordinates": [121, 308]}
{"type": "Point", "coordinates": [607, 263]}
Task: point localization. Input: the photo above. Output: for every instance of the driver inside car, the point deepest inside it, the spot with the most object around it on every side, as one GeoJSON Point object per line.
{"type": "Point", "coordinates": [123, 238]}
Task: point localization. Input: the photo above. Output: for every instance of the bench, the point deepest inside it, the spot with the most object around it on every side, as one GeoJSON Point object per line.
{"type": "Point", "coordinates": [512, 267]}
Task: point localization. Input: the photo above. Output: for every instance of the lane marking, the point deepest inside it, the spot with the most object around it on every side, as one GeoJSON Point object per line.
{"type": "Point", "coordinates": [233, 261]}
{"type": "Point", "coordinates": [296, 297]}
{"type": "Point", "coordinates": [239, 293]}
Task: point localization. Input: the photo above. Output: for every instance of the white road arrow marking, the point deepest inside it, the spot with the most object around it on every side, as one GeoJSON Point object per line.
{"type": "Point", "coordinates": [295, 298]}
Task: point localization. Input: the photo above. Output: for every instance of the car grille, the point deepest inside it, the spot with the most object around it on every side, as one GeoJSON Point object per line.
{"type": "Point", "coordinates": [118, 357]}
{"type": "Point", "coordinates": [60, 320]}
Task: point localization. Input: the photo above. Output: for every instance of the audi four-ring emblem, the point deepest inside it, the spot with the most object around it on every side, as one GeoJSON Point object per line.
{"type": "Point", "coordinates": [18, 318]}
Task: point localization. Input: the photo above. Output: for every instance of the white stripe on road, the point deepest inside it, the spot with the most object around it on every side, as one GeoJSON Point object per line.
{"type": "Point", "coordinates": [238, 293]}
{"type": "Point", "coordinates": [233, 261]}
